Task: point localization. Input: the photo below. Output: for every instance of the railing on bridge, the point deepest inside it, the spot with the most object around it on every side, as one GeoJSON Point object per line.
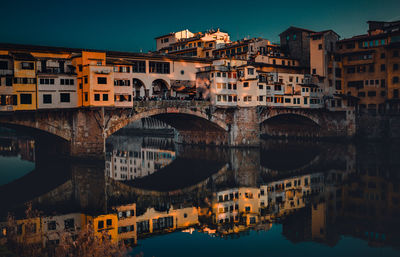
{"type": "Point", "coordinates": [171, 103]}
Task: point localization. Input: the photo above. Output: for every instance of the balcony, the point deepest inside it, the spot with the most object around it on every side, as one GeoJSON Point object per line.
{"type": "Point", "coordinates": [6, 72]}
{"type": "Point", "coordinates": [101, 69]}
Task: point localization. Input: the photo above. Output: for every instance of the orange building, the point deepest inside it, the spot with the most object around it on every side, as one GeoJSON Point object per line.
{"type": "Point", "coordinates": [95, 79]}
{"type": "Point", "coordinates": [368, 66]}
{"type": "Point", "coordinates": [24, 84]}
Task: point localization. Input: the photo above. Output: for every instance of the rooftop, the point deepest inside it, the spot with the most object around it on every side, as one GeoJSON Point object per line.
{"type": "Point", "coordinates": [76, 51]}
{"type": "Point", "coordinates": [298, 29]}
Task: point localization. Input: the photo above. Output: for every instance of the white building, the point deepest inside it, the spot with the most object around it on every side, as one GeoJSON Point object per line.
{"type": "Point", "coordinates": [56, 82]}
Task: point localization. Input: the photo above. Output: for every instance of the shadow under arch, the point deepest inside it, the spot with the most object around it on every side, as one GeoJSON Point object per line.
{"type": "Point", "coordinates": [160, 88]}
{"type": "Point", "coordinates": [139, 88]}
{"type": "Point", "coordinates": [183, 119]}
{"type": "Point", "coordinates": [290, 125]}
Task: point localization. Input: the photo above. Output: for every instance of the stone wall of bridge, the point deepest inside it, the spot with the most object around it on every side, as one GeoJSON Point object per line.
{"type": "Point", "coordinates": [86, 130]}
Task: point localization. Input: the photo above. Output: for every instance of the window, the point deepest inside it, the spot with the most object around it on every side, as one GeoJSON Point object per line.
{"type": "Point", "coordinates": [8, 81]}
{"type": "Point", "coordinates": [383, 83]}
{"type": "Point", "coordinates": [101, 80]}
{"type": "Point", "coordinates": [138, 66]}
{"type": "Point", "coordinates": [105, 97]}
{"type": "Point", "coordinates": [383, 67]}
{"type": "Point", "coordinates": [96, 97]}
{"type": "Point", "coordinates": [65, 98]}
{"type": "Point", "coordinates": [395, 66]}
{"type": "Point", "coordinates": [51, 225]}
{"type": "Point", "coordinates": [86, 96]}
{"type": "Point", "coordinates": [371, 68]}
{"type": "Point", "coordinates": [24, 80]}
{"type": "Point", "coordinates": [69, 224]}
{"type": "Point", "coordinates": [320, 46]}
{"type": "Point", "coordinates": [351, 70]}
{"type": "Point", "coordinates": [86, 80]}
{"type": "Point", "coordinates": [3, 65]}
{"type": "Point", "coordinates": [383, 56]}
{"type": "Point", "coordinates": [27, 65]}
{"type": "Point", "coordinates": [246, 84]}
{"type": "Point", "coordinates": [159, 67]}
{"type": "Point", "coordinates": [25, 98]}
{"type": "Point", "coordinates": [395, 80]}
{"type": "Point", "coordinates": [371, 93]}
{"type": "Point", "coordinates": [100, 224]}
{"type": "Point", "coordinates": [314, 71]}
{"type": "Point", "coordinates": [109, 222]}
{"type": "Point", "coordinates": [47, 99]}
{"type": "Point", "coordinates": [395, 53]}
{"type": "Point", "coordinates": [395, 93]}
{"type": "Point", "coordinates": [338, 72]}
{"type": "Point", "coordinates": [250, 71]}
{"type": "Point", "coordinates": [338, 85]}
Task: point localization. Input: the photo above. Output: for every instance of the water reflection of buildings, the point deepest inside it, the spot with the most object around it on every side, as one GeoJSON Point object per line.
{"type": "Point", "coordinates": [319, 207]}
{"type": "Point", "coordinates": [139, 159]}
{"type": "Point", "coordinates": [23, 147]}
{"type": "Point", "coordinates": [315, 203]}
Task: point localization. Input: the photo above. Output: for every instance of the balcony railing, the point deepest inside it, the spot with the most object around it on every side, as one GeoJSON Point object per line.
{"type": "Point", "coordinates": [6, 72]}
{"type": "Point", "coordinates": [55, 70]}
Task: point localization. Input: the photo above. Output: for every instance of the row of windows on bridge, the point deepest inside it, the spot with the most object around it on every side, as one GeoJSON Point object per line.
{"type": "Point", "coordinates": [272, 99]}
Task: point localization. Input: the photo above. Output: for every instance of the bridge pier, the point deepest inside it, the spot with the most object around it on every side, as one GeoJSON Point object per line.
{"type": "Point", "coordinates": [87, 135]}
{"type": "Point", "coordinates": [244, 130]}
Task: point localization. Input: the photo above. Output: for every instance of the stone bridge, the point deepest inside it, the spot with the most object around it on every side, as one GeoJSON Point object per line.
{"type": "Point", "coordinates": [82, 132]}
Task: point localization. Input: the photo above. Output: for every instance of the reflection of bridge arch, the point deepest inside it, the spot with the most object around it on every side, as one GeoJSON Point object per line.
{"type": "Point", "coordinates": [286, 157]}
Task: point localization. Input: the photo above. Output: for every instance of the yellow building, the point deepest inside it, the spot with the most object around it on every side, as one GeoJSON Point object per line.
{"type": "Point", "coordinates": [127, 231]}
{"type": "Point", "coordinates": [29, 231]}
{"type": "Point", "coordinates": [24, 84]}
{"type": "Point", "coordinates": [153, 221]}
{"type": "Point", "coordinates": [107, 223]}
{"type": "Point", "coordinates": [95, 80]}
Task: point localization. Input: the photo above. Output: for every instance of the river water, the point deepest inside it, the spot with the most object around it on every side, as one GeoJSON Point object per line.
{"type": "Point", "coordinates": [283, 199]}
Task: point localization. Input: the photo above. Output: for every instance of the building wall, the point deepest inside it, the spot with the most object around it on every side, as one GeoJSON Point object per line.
{"type": "Point", "coordinates": [25, 90]}
{"type": "Point", "coordinates": [7, 98]}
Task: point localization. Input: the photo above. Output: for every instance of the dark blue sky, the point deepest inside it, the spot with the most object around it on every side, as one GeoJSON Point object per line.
{"type": "Point", "coordinates": [132, 25]}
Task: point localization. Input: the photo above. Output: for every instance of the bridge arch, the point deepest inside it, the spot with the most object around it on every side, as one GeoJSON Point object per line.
{"type": "Point", "coordinates": [289, 111]}
{"type": "Point", "coordinates": [160, 88]}
{"type": "Point", "coordinates": [139, 88]}
{"type": "Point", "coordinates": [181, 118]}
{"type": "Point", "coordinates": [290, 123]}
{"type": "Point", "coordinates": [41, 125]}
